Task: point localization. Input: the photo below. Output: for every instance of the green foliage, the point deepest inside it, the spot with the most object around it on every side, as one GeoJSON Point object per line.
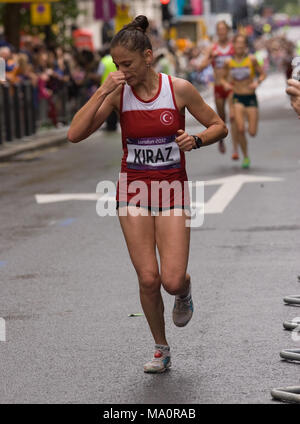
{"type": "Point", "coordinates": [64, 14]}
{"type": "Point", "coordinates": [284, 6]}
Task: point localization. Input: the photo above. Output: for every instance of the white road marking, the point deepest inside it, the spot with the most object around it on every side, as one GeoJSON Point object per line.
{"type": "Point", "coordinates": [2, 330]}
{"type": "Point", "coordinates": [229, 188]}
{"type": "Point", "coordinates": [53, 198]}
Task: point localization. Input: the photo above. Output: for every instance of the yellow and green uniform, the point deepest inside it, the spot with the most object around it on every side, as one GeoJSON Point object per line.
{"type": "Point", "coordinates": [243, 70]}
{"type": "Point", "coordinates": [240, 71]}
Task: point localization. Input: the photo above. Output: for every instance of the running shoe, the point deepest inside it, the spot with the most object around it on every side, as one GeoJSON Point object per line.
{"type": "Point", "coordinates": [235, 156]}
{"type": "Point", "coordinates": [183, 310]}
{"type": "Point", "coordinates": [160, 363]}
{"type": "Point", "coordinates": [222, 147]}
{"type": "Point", "coordinates": [246, 163]}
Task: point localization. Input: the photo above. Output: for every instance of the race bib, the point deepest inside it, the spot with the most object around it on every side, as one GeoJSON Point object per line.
{"type": "Point", "coordinates": [153, 153]}
{"type": "Point", "coordinates": [241, 73]}
{"type": "Point", "coordinates": [220, 61]}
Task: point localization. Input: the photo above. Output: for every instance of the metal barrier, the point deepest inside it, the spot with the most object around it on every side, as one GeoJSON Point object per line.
{"type": "Point", "coordinates": [22, 112]}
{"type": "Point", "coordinates": [291, 393]}
{"type": "Point", "coordinates": [290, 354]}
{"type": "Point", "coordinates": [287, 394]}
{"type": "Point", "coordinates": [292, 299]}
{"type": "Point", "coordinates": [291, 325]}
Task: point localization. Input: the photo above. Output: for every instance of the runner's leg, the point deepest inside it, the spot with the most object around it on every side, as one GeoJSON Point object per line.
{"type": "Point", "coordinates": [233, 128]}
{"type": "Point", "coordinates": [220, 106]}
{"type": "Point", "coordinates": [139, 233]}
{"type": "Point", "coordinates": [239, 113]}
{"type": "Point", "coordinates": [252, 116]}
{"type": "Point", "coordinates": [173, 240]}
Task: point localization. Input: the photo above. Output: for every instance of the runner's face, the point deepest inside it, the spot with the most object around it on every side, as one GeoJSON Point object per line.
{"type": "Point", "coordinates": [240, 47]}
{"type": "Point", "coordinates": [132, 63]}
{"type": "Point", "coordinates": [222, 32]}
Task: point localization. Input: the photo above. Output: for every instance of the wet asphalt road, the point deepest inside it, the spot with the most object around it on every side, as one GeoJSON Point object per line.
{"type": "Point", "coordinates": [67, 285]}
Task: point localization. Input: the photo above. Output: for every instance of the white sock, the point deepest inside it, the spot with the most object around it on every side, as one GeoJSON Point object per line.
{"type": "Point", "coordinates": [162, 348]}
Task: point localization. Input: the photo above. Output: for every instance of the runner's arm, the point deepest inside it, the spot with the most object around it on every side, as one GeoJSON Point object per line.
{"type": "Point", "coordinates": [258, 71]}
{"type": "Point", "coordinates": [192, 100]}
{"type": "Point", "coordinates": [225, 80]}
{"type": "Point", "coordinates": [92, 115]}
{"type": "Point", "coordinates": [206, 61]}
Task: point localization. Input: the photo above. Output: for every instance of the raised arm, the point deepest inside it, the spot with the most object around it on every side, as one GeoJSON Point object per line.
{"type": "Point", "coordinates": [206, 61]}
{"type": "Point", "coordinates": [189, 97]}
{"type": "Point", "coordinates": [92, 115]}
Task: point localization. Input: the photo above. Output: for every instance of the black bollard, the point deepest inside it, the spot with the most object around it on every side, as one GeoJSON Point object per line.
{"type": "Point", "coordinates": [17, 111]}
{"type": "Point", "coordinates": [26, 103]}
{"type": "Point", "coordinates": [32, 107]}
{"type": "Point", "coordinates": [1, 117]}
{"type": "Point", "coordinates": [64, 117]}
{"type": "Point", "coordinates": [7, 112]}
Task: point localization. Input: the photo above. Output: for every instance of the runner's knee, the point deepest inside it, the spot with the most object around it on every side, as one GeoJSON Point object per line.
{"type": "Point", "coordinates": [241, 129]}
{"type": "Point", "coordinates": [173, 283]}
{"type": "Point", "coordinates": [149, 282]}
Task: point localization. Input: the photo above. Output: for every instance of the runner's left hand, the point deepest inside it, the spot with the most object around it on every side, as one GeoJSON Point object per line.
{"type": "Point", "coordinates": [185, 142]}
{"type": "Point", "coordinates": [253, 85]}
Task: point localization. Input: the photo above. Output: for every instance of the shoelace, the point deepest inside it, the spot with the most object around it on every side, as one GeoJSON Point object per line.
{"type": "Point", "coordinates": [182, 304]}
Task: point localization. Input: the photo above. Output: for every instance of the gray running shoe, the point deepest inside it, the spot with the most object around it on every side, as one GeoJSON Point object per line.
{"type": "Point", "coordinates": [183, 310]}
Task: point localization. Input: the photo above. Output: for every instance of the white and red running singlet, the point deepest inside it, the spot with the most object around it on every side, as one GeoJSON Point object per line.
{"type": "Point", "coordinates": [150, 152]}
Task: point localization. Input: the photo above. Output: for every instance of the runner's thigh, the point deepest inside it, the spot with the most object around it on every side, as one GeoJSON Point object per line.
{"type": "Point", "coordinates": [173, 240]}
{"type": "Point", "coordinates": [139, 233]}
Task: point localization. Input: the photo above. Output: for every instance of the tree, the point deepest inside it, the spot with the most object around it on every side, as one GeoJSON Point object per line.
{"type": "Point", "coordinates": [14, 17]}
{"type": "Point", "coordinates": [283, 5]}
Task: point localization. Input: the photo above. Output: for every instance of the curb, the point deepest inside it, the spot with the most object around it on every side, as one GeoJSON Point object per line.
{"type": "Point", "coordinates": [30, 144]}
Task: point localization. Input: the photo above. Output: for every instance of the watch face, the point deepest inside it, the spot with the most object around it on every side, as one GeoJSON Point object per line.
{"type": "Point", "coordinates": [198, 141]}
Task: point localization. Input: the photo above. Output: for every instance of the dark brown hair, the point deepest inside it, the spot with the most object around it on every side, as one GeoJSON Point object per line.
{"type": "Point", "coordinates": [241, 36]}
{"type": "Point", "coordinates": [223, 23]}
{"type": "Point", "coordinates": [133, 36]}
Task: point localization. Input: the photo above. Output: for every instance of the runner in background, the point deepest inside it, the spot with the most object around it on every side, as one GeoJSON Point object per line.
{"type": "Point", "coordinates": [239, 76]}
{"type": "Point", "coordinates": [216, 56]}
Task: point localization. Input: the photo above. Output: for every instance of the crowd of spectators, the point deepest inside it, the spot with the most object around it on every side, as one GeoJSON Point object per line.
{"type": "Point", "coordinates": [52, 73]}
{"type": "Point", "coordinates": [73, 73]}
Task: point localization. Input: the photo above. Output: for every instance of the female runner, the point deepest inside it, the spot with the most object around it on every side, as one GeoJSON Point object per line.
{"type": "Point", "coordinates": [151, 108]}
{"type": "Point", "coordinates": [239, 76]}
{"type": "Point", "coordinates": [216, 56]}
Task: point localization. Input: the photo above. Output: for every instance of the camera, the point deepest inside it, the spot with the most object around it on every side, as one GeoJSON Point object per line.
{"type": "Point", "coordinates": [296, 68]}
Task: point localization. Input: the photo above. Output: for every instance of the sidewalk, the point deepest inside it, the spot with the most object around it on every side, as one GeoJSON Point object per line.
{"type": "Point", "coordinates": [41, 140]}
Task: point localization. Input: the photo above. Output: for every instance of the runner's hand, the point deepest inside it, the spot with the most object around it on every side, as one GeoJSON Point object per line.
{"type": "Point", "coordinates": [227, 86]}
{"type": "Point", "coordinates": [293, 90]}
{"type": "Point", "coordinates": [113, 81]}
{"type": "Point", "coordinates": [253, 85]}
{"type": "Point", "coordinates": [185, 142]}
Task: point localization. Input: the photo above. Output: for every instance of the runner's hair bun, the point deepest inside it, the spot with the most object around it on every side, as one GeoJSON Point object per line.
{"type": "Point", "coordinates": [142, 22]}
{"type": "Point", "coordinates": [133, 36]}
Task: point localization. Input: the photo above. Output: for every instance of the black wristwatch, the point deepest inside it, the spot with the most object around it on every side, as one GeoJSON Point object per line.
{"type": "Point", "coordinates": [198, 142]}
